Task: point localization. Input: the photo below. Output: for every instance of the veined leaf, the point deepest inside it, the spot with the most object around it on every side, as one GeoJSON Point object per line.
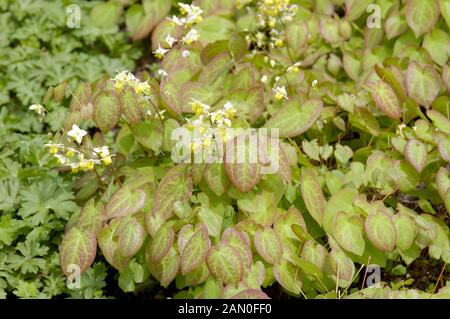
{"type": "Point", "coordinates": [78, 249]}
{"type": "Point", "coordinates": [216, 178]}
{"type": "Point", "coordinates": [241, 243]}
{"type": "Point", "coordinates": [293, 119]}
{"type": "Point", "coordinates": [421, 15]}
{"type": "Point", "coordinates": [268, 245]}
{"type": "Point", "coordinates": [386, 99]}
{"type": "Point", "coordinates": [92, 216]}
{"type": "Point", "coordinates": [106, 111]}
{"type": "Point", "coordinates": [126, 201]}
{"type": "Point", "coordinates": [130, 236]}
{"type": "Point", "coordinates": [160, 244]}
{"type": "Point", "coordinates": [131, 109]}
{"type": "Point", "coordinates": [165, 270]}
{"type": "Point", "coordinates": [405, 228]}
{"type": "Point", "coordinates": [422, 83]}
{"type": "Point", "coordinates": [416, 154]}
{"type": "Point", "coordinates": [342, 267]}
{"type": "Point", "coordinates": [312, 194]}
{"type": "Point", "coordinates": [381, 231]}
{"type": "Point", "coordinates": [348, 232]}
{"type": "Point", "coordinates": [225, 264]}
{"type": "Point", "coordinates": [194, 252]}
{"type": "Point", "coordinates": [288, 276]}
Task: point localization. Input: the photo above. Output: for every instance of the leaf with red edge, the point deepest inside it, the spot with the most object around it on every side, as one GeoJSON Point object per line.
{"type": "Point", "coordinates": [385, 99]}
{"type": "Point", "coordinates": [160, 244]}
{"type": "Point", "coordinates": [446, 76]}
{"type": "Point", "coordinates": [421, 15]}
{"type": "Point", "coordinates": [288, 276]}
{"type": "Point", "coordinates": [241, 242]}
{"type": "Point", "coordinates": [241, 162]}
{"type": "Point", "coordinates": [216, 178]}
{"type": "Point", "coordinates": [268, 245]}
{"type": "Point", "coordinates": [92, 216]}
{"type": "Point", "coordinates": [416, 154]}
{"type": "Point", "coordinates": [225, 264]}
{"type": "Point", "coordinates": [381, 231]}
{"type": "Point", "coordinates": [165, 270]}
{"type": "Point", "coordinates": [126, 201]}
{"type": "Point", "coordinates": [175, 186]}
{"type": "Point", "coordinates": [78, 248]}
{"type": "Point", "coordinates": [422, 83]}
{"type": "Point", "coordinates": [194, 252]}
{"type": "Point", "coordinates": [130, 236]}
{"type": "Point", "coordinates": [312, 194]}
{"type": "Point", "coordinates": [107, 241]}
{"type": "Point", "coordinates": [131, 110]}
{"type": "Point", "coordinates": [155, 10]}
{"type": "Point", "coordinates": [107, 111]}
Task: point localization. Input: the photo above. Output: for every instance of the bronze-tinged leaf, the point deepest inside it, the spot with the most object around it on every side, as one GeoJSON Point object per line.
{"type": "Point", "coordinates": [416, 154]}
{"type": "Point", "coordinates": [107, 242]}
{"type": "Point", "coordinates": [446, 76]}
{"type": "Point", "coordinates": [381, 231]}
{"type": "Point", "coordinates": [160, 244]}
{"type": "Point", "coordinates": [268, 245]}
{"type": "Point", "coordinates": [175, 186]}
{"type": "Point", "coordinates": [293, 119]}
{"type": "Point", "coordinates": [194, 252]}
{"type": "Point", "coordinates": [106, 111]}
{"type": "Point", "coordinates": [225, 264]}
{"type": "Point", "coordinates": [130, 236]}
{"type": "Point", "coordinates": [241, 162]}
{"type": "Point", "coordinates": [216, 178]}
{"type": "Point", "coordinates": [78, 249]}
{"type": "Point", "coordinates": [241, 242]}
{"type": "Point", "coordinates": [385, 99]}
{"type": "Point", "coordinates": [131, 109]}
{"type": "Point", "coordinates": [423, 83]}
{"type": "Point", "coordinates": [312, 194]}
{"type": "Point", "coordinates": [126, 201]}
{"type": "Point", "coordinates": [421, 15]}
{"type": "Point", "coordinates": [155, 10]}
{"type": "Point", "coordinates": [166, 270]}
{"type": "Point", "coordinates": [288, 276]}
{"type": "Point", "coordinates": [92, 216]}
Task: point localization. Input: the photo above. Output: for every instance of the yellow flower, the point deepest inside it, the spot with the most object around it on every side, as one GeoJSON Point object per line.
{"type": "Point", "coordinates": [70, 153]}
{"type": "Point", "coordinates": [107, 160]}
{"type": "Point", "coordinates": [278, 43]}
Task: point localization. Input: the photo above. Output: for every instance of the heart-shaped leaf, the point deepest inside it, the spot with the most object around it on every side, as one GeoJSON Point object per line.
{"type": "Point", "coordinates": [288, 276]}
{"type": "Point", "coordinates": [130, 236]}
{"type": "Point", "coordinates": [106, 111]}
{"type": "Point", "coordinates": [342, 267]}
{"type": "Point", "coordinates": [78, 249]}
{"type": "Point", "coordinates": [386, 99]}
{"type": "Point", "coordinates": [416, 153]}
{"type": "Point", "coordinates": [194, 252]}
{"type": "Point", "coordinates": [126, 201]}
{"type": "Point", "coordinates": [216, 178]}
{"type": "Point", "coordinates": [423, 83]}
{"type": "Point", "coordinates": [381, 231]}
{"type": "Point", "coordinates": [421, 15]}
{"type": "Point", "coordinates": [92, 216]}
{"type": "Point", "coordinates": [348, 232]}
{"type": "Point", "coordinates": [225, 264]}
{"type": "Point", "coordinates": [241, 243]}
{"type": "Point", "coordinates": [165, 270]}
{"type": "Point", "coordinates": [405, 228]}
{"type": "Point", "coordinates": [161, 243]}
{"type": "Point", "coordinates": [131, 110]}
{"type": "Point", "coordinates": [293, 119]}
{"type": "Point", "coordinates": [268, 245]}
{"type": "Point", "coordinates": [312, 194]}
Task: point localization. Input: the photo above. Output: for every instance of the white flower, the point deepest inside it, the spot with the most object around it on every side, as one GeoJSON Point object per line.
{"type": "Point", "coordinates": [39, 109]}
{"type": "Point", "coordinates": [61, 158]}
{"type": "Point", "coordinates": [185, 53]}
{"type": "Point", "coordinates": [272, 63]}
{"type": "Point", "coordinates": [314, 83]}
{"type": "Point", "coordinates": [229, 109]}
{"type": "Point", "coordinates": [193, 13]}
{"type": "Point", "coordinates": [280, 93]}
{"type": "Point", "coordinates": [162, 73]}
{"type": "Point", "coordinates": [77, 133]}
{"type": "Point", "coordinates": [160, 52]}
{"type": "Point", "coordinates": [294, 68]}
{"type": "Point", "coordinates": [264, 79]}
{"type": "Point", "coordinates": [176, 20]}
{"type": "Point", "coordinates": [169, 40]}
{"type": "Point", "coordinates": [102, 151]}
{"type": "Point", "coordinates": [190, 37]}
{"type": "Point", "coordinates": [277, 78]}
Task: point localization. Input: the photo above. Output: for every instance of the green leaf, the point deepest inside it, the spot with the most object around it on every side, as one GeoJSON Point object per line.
{"type": "Point", "coordinates": [437, 43]}
{"type": "Point", "coordinates": [106, 15]}
{"type": "Point", "coordinates": [241, 243]}
{"type": "Point", "coordinates": [131, 110]}
{"type": "Point", "coordinates": [225, 264]}
{"type": "Point", "coordinates": [348, 232]}
{"type": "Point", "coordinates": [293, 119]}
{"type": "Point", "coordinates": [416, 154]}
{"type": "Point", "coordinates": [268, 245]}
{"type": "Point", "coordinates": [126, 201]}
{"type": "Point", "coordinates": [216, 178]}
{"type": "Point", "coordinates": [194, 252]}
{"type": "Point", "coordinates": [312, 194]}
{"type": "Point", "coordinates": [166, 270]}
{"type": "Point", "coordinates": [78, 248]}
{"type": "Point", "coordinates": [423, 83]}
{"type": "Point", "coordinates": [297, 37]}
{"type": "Point", "coordinates": [106, 111]}
{"type": "Point", "coordinates": [175, 186]}
{"type": "Point", "coordinates": [439, 120]}
{"type": "Point", "coordinates": [342, 268]}
{"type": "Point", "coordinates": [386, 99]}
{"type": "Point", "coordinates": [242, 162]}
{"type": "Point", "coordinates": [92, 216]}
{"type": "Point", "coordinates": [288, 276]}
{"type": "Point", "coordinates": [405, 176]}
{"type": "Point", "coordinates": [160, 244]}
{"type": "Point", "coordinates": [130, 236]}
{"type": "Point", "coordinates": [381, 231]}
{"type": "Point", "coordinates": [405, 228]}
{"type": "Point", "coordinates": [421, 15]}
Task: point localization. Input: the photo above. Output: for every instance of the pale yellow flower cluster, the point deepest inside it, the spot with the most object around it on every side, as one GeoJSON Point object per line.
{"type": "Point", "coordinates": [127, 79]}
{"type": "Point", "coordinates": [206, 123]}
{"type": "Point", "coordinates": [272, 15]}
{"type": "Point", "coordinates": [75, 156]}
{"type": "Point", "coordinates": [190, 15]}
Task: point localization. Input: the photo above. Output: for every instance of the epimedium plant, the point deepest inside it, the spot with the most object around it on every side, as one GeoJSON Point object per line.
{"type": "Point", "coordinates": [362, 114]}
